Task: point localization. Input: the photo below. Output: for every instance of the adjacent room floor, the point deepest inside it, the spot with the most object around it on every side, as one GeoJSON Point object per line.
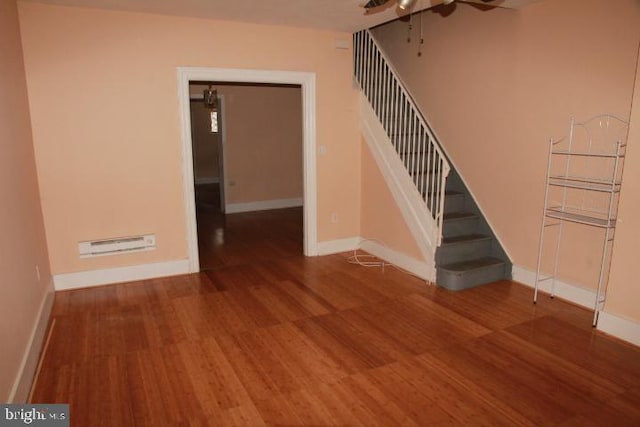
{"type": "Point", "coordinates": [267, 336]}
{"type": "Point", "coordinates": [241, 238]}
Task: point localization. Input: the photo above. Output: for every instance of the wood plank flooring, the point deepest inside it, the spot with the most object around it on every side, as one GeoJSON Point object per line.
{"type": "Point", "coordinates": [280, 339]}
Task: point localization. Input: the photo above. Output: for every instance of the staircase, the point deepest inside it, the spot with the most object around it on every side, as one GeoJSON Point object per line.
{"type": "Point", "coordinates": [470, 255]}
{"type": "Point", "coordinates": [467, 252]}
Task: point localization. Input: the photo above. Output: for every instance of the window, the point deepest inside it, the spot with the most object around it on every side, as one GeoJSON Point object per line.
{"type": "Point", "coordinates": [214, 121]}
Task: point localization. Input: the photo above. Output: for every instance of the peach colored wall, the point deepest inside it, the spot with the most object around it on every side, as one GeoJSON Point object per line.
{"type": "Point", "coordinates": [263, 130]}
{"type": "Point", "coordinates": [106, 128]}
{"type": "Point", "coordinates": [22, 246]}
{"type": "Point", "coordinates": [263, 143]}
{"type": "Point", "coordinates": [623, 295]}
{"type": "Point", "coordinates": [496, 85]}
{"type": "Point", "coordinates": [381, 218]}
{"type": "Point", "coordinates": [205, 142]}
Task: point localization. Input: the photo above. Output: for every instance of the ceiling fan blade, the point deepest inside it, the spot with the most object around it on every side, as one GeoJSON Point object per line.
{"type": "Point", "coordinates": [481, 4]}
{"type": "Point", "coordinates": [445, 9]}
{"type": "Point", "coordinates": [375, 3]}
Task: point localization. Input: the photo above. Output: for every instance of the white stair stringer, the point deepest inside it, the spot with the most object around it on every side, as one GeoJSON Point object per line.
{"type": "Point", "coordinates": [413, 207]}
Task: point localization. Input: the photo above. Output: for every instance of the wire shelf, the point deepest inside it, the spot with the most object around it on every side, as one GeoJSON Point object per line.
{"type": "Point", "coordinates": [588, 154]}
{"type": "Point", "coordinates": [587, 218]}
{"type": "Point", "coordinates": [581, 183]}
{"type": "Point", "coordinates": [593, 145]}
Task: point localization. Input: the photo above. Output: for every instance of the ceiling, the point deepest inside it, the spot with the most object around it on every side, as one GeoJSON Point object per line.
{"type": "Point", "coordinates": [339, 15]}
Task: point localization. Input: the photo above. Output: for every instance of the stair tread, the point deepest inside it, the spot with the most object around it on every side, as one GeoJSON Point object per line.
{"type": "Point", "coordinates": [472, 264]}
{"type": "Point", "coordinates": [451, 196]}
{"type": "Point", "coordinates": [453, 193]}
{"type": "Point", "coordinates": [465, 238]}
{"type": "Point", "coordinates": [453, 216]}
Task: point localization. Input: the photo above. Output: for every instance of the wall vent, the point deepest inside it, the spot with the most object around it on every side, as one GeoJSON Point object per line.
{"type": "Point", "coordinates": [117, 245]}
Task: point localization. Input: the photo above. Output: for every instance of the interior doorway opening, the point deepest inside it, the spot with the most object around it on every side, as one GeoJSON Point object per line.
{"type": "Point", "coordinates": [307, 81]}
{"type": "Point", "coordinates": [207, 140]}
{"type": "Point", "coordinates": [247, 155]}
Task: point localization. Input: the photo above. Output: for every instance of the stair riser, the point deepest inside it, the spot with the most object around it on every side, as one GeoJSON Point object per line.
{"type": "Point", "coordinates": [459, 227]}
{"type": "Point", "coordinates": [453, 203]}
{"type": "Point", "coordinates": [457, 281]}
{"type": "Point", "coordinates": [450, 253]}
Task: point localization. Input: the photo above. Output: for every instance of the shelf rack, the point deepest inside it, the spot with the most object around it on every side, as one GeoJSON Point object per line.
{"type": "Point", "coordinates": [583, 181]}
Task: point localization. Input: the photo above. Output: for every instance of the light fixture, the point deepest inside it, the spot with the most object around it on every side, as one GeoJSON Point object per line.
{"type": "Point", "coordinates": [210, 97]}
{"type": "Point", "coordinates": [446, 2]}
{"type": "Point", "coordinates": [406, 4]}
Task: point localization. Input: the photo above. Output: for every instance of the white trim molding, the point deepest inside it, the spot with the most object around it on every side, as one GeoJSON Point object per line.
{"type": "Point", "coordinates": [619, 327]}
{"type": "Point", "coordinates": [264, 205]}
{"type": "Point", "coordinates": [419, 268]}
{"type": "Point", "coordinates": [337, 246]}
{"type": "Point", "coordinates": [87, 279]}
{"type": "Point", "coordinates": [570, 292]}
{"type": "Point", "coordinates": [308, 83]}
{"type": "Point", "coordinates": [611, 324]}
{"type": "Point", "coordinates": [26, 373]}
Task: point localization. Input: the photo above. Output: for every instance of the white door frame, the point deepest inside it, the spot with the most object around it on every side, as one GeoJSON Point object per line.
{"type": "Point", "coordinates": [308, 83]}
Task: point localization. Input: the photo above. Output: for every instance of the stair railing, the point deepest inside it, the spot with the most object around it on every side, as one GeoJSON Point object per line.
{"type": "Point", "coordinates": [411, 136]}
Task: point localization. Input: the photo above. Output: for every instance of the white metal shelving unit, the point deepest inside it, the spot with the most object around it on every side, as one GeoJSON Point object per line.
{"type": "Point", "coordinates": [583, 180]}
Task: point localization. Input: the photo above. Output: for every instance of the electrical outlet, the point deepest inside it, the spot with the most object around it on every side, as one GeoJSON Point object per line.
{"type": "Point", "coordinates": [334, 217]}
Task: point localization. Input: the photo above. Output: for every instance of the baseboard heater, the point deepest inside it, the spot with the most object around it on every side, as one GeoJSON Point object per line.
{"type": "Point", "coordinates": [117, 245]}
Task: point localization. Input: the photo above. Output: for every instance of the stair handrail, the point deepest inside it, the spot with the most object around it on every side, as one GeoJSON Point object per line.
{"type": "Point", "coordinates": [403, 122]}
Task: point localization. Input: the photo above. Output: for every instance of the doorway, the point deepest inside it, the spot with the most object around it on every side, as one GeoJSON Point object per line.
{"type": "Point", "coordinates": [261, 132]}
{"type": "Point", "coordinates": [306, 83]}
{"type": "Point", "coordinates": [206, 107]}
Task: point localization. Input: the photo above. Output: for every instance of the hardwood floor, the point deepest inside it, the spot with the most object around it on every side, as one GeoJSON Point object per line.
{"type": "Point", "coordinates": [242, 238]}
{"type": "Point", "coordinates": [270, 337]}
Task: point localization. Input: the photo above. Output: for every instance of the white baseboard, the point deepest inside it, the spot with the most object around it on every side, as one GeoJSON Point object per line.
{"type": "Point", "coordinates": [207, 180]}
{"type": "Point", "coordinates": [419, 268]}
{"type": "Point", "coordinates": [22, 385]}
{"type": "Point", "coordinates": [619, 327]}
{"type": "Point", "coordinates": [337, 246]}
{"type": "Point", "coordinates": [412, 265]}
{"type": "Point", "coordinates": [575, 294]}
{"type": "Point", "coordinates": [85, 279]}
{"type": "Point", "coordinates": [263, 205]}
